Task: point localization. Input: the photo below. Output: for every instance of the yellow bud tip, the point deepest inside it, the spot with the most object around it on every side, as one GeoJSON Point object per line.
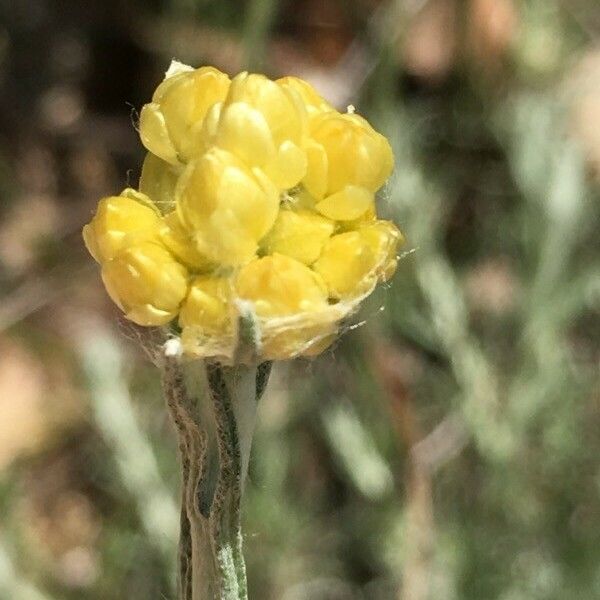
{"type": "Point", "coordinates": [146, 282]}
{"type": "Point", "coordinates": [119, 220]}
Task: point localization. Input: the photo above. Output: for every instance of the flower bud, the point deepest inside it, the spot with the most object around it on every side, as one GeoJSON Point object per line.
{"type": "Point", "coordinates": [118, 221]}
{"type": "Point", "coordinates": [279, 285]}
{"type": "Point", "coordinates": [226, 206]}
{"type": "Point", "coordinates": [181, 243]}
{"type": "Point", "coordinates": [263, 124]}
{"type": "Point", "coordinates": [351, 263]}
{"type": "Point", "coordinates": [207, 306]}
{"type": "Point", "coordinates": [170, 125]}
{"type": "Point", "coordinates": [307, 94]}
{"type": "Point", "coordinates": [289, 299]}
{"type": "Point", "coordinates": [356, 155]}
{"type": "Point", "coordinates": [236, 170]}
{"type": "Point", "coordinates": [146, 282]}
{"type": "Point", "coordinates": [298, 234]}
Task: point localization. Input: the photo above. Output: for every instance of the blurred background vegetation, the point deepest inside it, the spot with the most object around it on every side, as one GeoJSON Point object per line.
{"type": "Point", "coordinates": [446, 449]}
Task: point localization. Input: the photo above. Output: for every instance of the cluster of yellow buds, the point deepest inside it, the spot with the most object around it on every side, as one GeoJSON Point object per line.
{"type": "Point", "coordinates": [256, 200]}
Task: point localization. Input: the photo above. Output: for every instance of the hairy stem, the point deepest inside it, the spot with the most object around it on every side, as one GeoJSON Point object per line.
{"type": "Point", "coordinates": [213, 409]}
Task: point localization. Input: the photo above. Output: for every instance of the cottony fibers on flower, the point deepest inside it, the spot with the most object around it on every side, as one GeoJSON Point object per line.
{"type": "Point", "coordinates": [257, 199]}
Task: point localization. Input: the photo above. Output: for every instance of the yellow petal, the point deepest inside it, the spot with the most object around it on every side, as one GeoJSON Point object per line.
{"type": "Point", "coordinates": [291, 303]}
{"type": "Point", "coordinates": [280, 112]}
{"type": "Point", "coordinates": [346, 205]}
{"type": "Point", "coordinates": [146, 282]}
{"type": "Point", "coordinates": [357, 154]}
{"type": "Point", "coordinates": [279, 285]}
{"type": "Point", "coordinates": [244, 131]}
{"type": "Point", "coordinates": [169, 124]}
{"type": "Point", "coordinates": [226, 206]}
{"type": "Point", "coordinates": [347, 265]}
{"type": "Point", "coordinates": [210, 126]}
{"type": "Point", "coordinates": [364, 219]}
{"type": "Point", "coordinates": [298, 234]}
{"type": "Point", "coordinates": [155, 135]}
{"type": "Point", "coordinates": [181, 243]}
{"type": "Point", "coordinates": [207, 306]}
{"type": "Point", "coordinates": [186, 103]}
{"type": "Point", "coordinates": [172, 76]}
{"type": "Point", "coordinates": [158, 180]}
{"type": "Point", "coordinates": [118, 220]}
{"type": "Point", "coordinates": [288, 167]}
{"type": "Point", "coordinates": [148, 315]}
{"type": "Point", "coordinates": [352, 262]}
{"type": "Point", "coordinates": [310, 97]}
{"type": "Point", "coordinates": [315, 179]}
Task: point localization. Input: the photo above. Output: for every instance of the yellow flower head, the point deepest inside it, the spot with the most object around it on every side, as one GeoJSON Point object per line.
{"type": "Point", "coordinates": [256, 212]}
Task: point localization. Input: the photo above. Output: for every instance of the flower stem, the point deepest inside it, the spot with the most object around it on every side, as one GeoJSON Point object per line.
{"type": "Point", "coordinates": [214, 410]}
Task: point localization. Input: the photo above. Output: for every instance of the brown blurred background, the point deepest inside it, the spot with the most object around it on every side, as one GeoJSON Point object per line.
{"type": "Point", "coordinates": [446, 449]}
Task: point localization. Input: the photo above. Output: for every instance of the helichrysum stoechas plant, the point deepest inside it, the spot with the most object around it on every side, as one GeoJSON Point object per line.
{"type": "Point", "coordinates": [253, 234]}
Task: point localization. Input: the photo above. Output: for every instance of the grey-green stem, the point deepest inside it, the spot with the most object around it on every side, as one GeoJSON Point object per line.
{"type": "Point", "coordinates": [213, 408]}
